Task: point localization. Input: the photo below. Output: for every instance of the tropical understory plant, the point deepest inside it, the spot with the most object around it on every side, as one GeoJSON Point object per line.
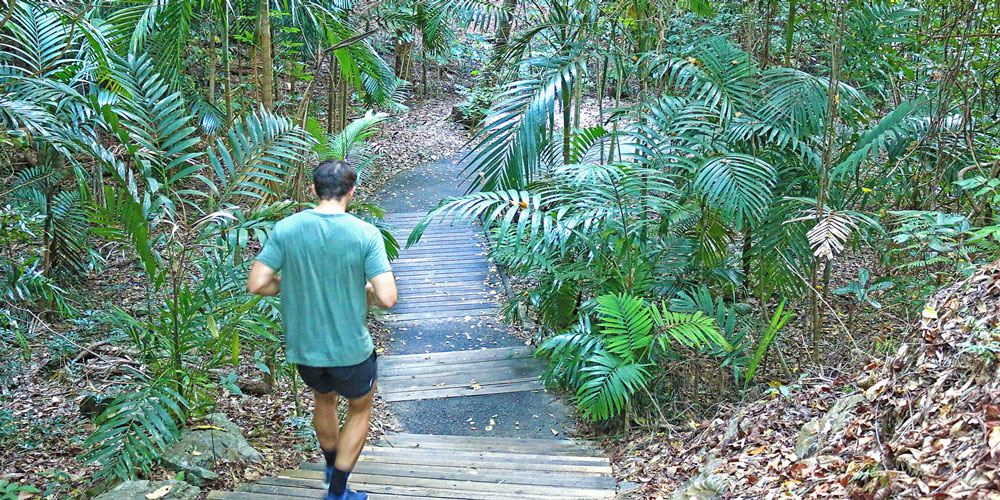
{"type": "Point", "coordinates": [609, 363]}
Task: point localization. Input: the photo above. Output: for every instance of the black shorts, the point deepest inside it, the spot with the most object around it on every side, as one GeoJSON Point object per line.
{"type": "Point", "coordinates": [349, 381]}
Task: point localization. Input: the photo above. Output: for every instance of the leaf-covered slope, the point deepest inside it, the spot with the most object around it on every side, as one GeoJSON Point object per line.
{"type": "Point", "coordinates": [924, 423]}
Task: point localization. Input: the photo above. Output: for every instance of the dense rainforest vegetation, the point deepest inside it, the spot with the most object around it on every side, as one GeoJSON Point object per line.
{"type": "Point", "coordinates": [699, 201]}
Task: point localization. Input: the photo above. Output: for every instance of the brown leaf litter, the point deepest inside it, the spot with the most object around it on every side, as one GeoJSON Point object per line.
{"type": "Point", "coordinates": [922, 424]}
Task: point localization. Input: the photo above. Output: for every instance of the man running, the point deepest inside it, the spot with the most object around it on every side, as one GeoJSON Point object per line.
{"type": "Point", "coordinates": [333, 265]}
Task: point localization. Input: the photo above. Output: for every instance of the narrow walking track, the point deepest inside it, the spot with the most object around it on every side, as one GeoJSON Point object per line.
{"type": "Point", "coordinates": [480, 425]}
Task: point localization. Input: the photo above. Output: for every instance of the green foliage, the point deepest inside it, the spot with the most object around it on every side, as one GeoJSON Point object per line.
{"type": "Point", "coordinates": [134, 430]}
{"type": "Point", "coordinates": [862, 289]}
{"type": "Point", "coordinates": [621, 355]}
{"type": "Point", "coordinates": [770, 333]}
{"type": "Point", "coordinates": [14, 491]}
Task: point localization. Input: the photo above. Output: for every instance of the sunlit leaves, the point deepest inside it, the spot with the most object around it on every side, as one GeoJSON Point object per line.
{"type": "Point", "coordinates": [256, 154]}
{"type": "Point", "coordinates": [517, 128]}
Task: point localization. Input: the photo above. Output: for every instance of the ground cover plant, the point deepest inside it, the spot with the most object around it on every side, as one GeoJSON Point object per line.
{"type": "Point", "coordinates": [704, 206]}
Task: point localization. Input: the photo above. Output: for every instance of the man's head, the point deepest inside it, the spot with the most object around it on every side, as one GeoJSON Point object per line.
{"type": "Point", "coordinates": [334, 179]}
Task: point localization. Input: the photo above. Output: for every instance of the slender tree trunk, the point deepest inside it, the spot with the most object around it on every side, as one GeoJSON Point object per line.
{"type": "Point", "coordinates": [226, 71]}
{"type": "Point", "coordinates": [829, 143]}
{"type": "Point", "coordinates": [578, 97]}
{"type": "Point", "coordinates": [567, 102]}
{"type": "Point", "coordinates": [501, 41]}
{"type": "Point", "coordinates": [793, 5]}
{"type": "Point", "coordinates": [266, 58]}
{"type": "Point", "coordinates": [506, 21]}
{"type": "Point", "coordinates": [331, 97]}
{"type": "Point", "coordinates": [212, 62]}
{"type": "Point", "coordinates": [765, 59]}
{"type": "Point", "coordinates": [404, 56]}
{"type": "Point", "coordinates": [345, 99]}
{"type": "Point", "coordinates": [423, 71]}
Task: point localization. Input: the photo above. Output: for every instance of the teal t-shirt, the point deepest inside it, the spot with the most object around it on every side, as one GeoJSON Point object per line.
{"type": "Point", "coordinates": [325, 261]}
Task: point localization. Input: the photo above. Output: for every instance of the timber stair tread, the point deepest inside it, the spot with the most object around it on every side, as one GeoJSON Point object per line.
{"type": "Point", "coordinates": [450, 374]}
{"type": "Point", "coordinates": [446, 276]}
{"type": "Point", "coordinates": [411, 466]}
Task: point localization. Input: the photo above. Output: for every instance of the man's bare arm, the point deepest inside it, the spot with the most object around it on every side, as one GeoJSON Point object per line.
{"type": "Point", "coordinates": [263, 280]}
{"type": "Point", "coordinates": [381, 290]}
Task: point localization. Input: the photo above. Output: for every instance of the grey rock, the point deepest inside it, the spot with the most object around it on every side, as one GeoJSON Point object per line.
{"type": "Point", "coordinates": [708, 484]}
{"type": "Point", "coordinates": [200, 448]}
{"type": "Point", "coordinates": [137, 490]}
{"type": "Point", "coordinates": [816, 431]}
{"type": "Point", "coordinates": [737, 427]}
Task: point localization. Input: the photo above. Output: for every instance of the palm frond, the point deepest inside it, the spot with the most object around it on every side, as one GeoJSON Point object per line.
{"type": "Point", "coordinates": [739, 184]}
{"type": "Point", "coordinates": [694, 330]}
{"type": "Point", "coordinates": [626, 323]}
{"type": "Point", "coordinates": [133, 432]}
{"type": "Point", "coordinates": [258, 150]}
{"type": "Point", "coordinates": [715, 73]}
{"type": "Point", "coordinates": [798, 100]}
{"type": "Point", "coordinates": [38, 42]}
{"type": "Point", "coordinates": [506, 156]}
{"type": "Point", "coordinates": [830, 233]}
{"type": "Point", "coordinates": [607, 384]}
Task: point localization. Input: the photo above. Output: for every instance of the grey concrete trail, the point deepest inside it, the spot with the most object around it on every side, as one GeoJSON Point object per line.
{"type": "Point", "coordinates": [534, 414]}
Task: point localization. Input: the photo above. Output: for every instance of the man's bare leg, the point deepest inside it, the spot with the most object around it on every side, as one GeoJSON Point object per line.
{"type": "Point", "coordinates": [355, 430]}
{"type": "Point", "coordinates": [326, 421]}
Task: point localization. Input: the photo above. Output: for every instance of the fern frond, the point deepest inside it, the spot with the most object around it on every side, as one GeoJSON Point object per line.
{"type": "Point", "coordinates": [693, 330]}
{"type": "Point", "coordinates": [739, 184]}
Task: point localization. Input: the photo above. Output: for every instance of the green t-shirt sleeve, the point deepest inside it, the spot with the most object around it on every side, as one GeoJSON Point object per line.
{"type": "Point", "coordinates": [273, 255]}
{"type": "Point", "coordinates": [376, 260]}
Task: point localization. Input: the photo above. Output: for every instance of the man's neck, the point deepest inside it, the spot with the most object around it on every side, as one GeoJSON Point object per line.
{"type": "Point", "coordinates": [333, 206]}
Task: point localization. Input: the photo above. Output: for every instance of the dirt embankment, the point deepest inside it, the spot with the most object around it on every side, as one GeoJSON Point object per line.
{"type": "Point", "coordinates": [923, 424]}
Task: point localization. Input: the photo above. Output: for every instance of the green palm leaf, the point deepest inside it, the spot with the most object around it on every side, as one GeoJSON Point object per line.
{"type": "Point", "coordinates": [608, 383]}
{"type": "Point", "coordinates": [739, 184]}
{"type": "Point", "coordinates": [133, 432]}
{"type": "Point", "coordinates": [694, 330]}
{"type": "Point", "coordinates": [506, 156]}
{"type": "Point", "coordinates": [258, 152]}
{"type": "Point", "coordinates": [627, 323]}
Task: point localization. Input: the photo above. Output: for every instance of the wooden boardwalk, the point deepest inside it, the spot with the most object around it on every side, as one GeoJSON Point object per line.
{"type": "Point", "coordinates": [446, 277]}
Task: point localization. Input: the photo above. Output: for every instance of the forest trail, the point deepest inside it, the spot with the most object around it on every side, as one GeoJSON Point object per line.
{"type": "Point", "coordinates": [478, 423]}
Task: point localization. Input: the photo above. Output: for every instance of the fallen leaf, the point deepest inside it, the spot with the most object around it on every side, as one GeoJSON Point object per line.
{"type": "Point", "coordinates": [160, 493]}
{"type": "Point", "coordinates": [207, 427]}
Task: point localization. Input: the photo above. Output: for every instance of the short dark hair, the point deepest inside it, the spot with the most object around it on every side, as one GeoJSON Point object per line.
{"type": "Point", "coordinates": [333, 179]}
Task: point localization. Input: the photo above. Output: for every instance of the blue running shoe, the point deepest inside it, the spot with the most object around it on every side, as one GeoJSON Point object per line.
{"type": "Point", "coordinates": [348, 495]}
{"type": "Point", "coordinates": [329, 477]}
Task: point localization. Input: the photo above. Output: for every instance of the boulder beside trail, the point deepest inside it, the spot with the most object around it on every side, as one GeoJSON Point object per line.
{"type": "Point", "coordinates": [144, 490]}
{"type": "Point", "coordinates": [202, 446]}
{"type": "Point", "coordinates": [710, 483]}
{"type": "Point", "coordinates": [812, 437]}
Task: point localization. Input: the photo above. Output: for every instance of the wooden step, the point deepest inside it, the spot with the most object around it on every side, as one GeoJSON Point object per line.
{"type": "Point", "coordinates": [459, 373]}
{"type": "Point", "coordinates": [413, 466]}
